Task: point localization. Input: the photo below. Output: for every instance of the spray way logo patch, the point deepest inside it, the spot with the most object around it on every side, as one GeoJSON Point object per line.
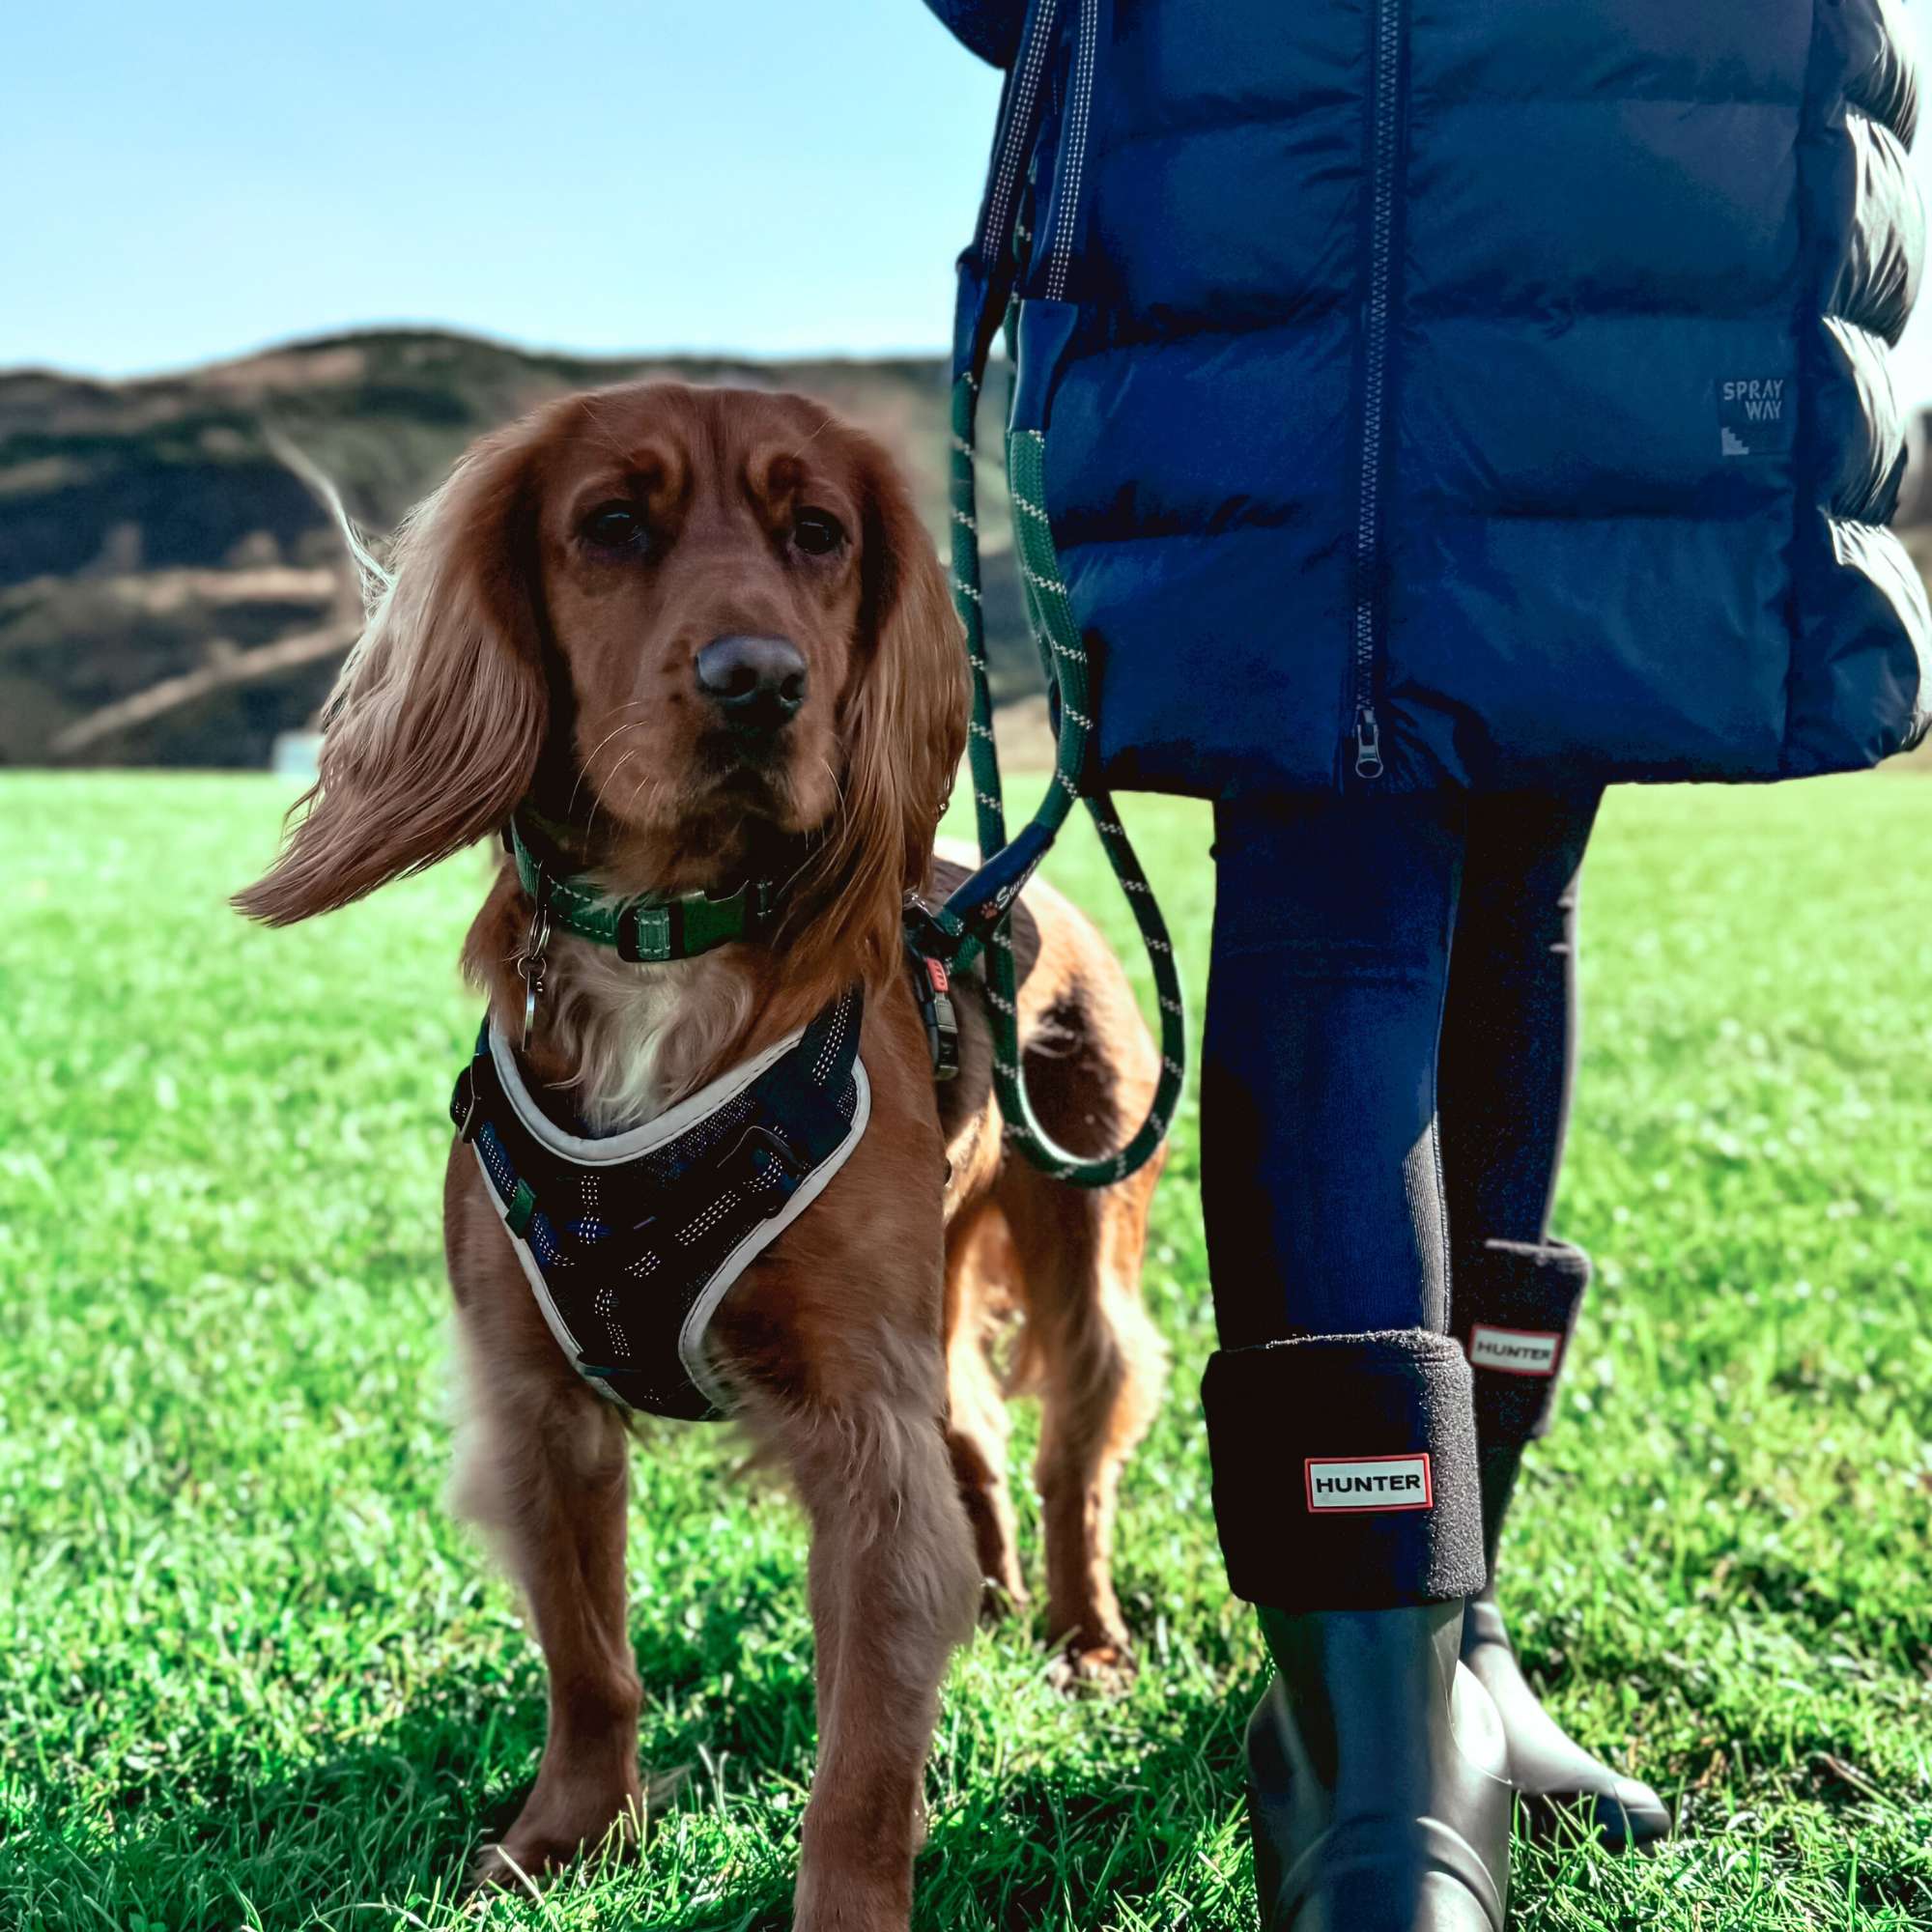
{"type": "Point", "coordinates": [1515, 1351]}
{"type": "Point", "coordinates": [1756, 416]}
{"type": "Point", "coordinates": [1345, 1485]}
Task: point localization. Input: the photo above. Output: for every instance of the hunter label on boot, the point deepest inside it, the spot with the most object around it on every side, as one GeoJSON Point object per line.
{"type": "Point", "coordinates": [1350, 1483]}
{"type": "Point", "coordinates": [1514, 1352]}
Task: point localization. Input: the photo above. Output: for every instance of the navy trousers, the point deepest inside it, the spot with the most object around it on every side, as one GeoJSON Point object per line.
{"type": "Point", "coordinates": [1390, 1038]}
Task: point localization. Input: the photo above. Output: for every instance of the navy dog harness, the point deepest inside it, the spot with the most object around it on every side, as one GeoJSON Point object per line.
{"type": "Point", "coordinates": [629, 1242]}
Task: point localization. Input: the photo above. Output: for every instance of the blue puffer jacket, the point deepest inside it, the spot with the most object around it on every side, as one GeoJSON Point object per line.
{"type": "Point", "coordinates": [1493, 394]}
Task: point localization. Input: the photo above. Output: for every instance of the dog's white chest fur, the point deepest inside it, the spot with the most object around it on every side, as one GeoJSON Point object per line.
{"type": "Point", "coordinates": [637, 1036]}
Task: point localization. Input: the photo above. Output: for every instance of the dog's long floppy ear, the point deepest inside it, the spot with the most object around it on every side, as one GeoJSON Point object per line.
{"type": "Point", "coordinates": [904, 728]}
{"type": "Point", "coordinates": [434, 728]}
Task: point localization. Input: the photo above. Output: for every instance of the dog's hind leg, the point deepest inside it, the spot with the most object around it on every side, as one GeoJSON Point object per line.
{"type": "Point", "coordinates": [980, 1271]}
{"type": "Point", "coordinates": [547, 1472]}
{"type": "Point", "coordinates": [1099, 1364]}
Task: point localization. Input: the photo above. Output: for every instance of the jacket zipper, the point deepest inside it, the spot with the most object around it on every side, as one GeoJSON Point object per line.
{"type": "Point", "coordinates": [1374, 383]}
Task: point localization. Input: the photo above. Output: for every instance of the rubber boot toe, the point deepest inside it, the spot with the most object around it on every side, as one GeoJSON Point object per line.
{"type": "Point", "coordinates": [1557, 1778]}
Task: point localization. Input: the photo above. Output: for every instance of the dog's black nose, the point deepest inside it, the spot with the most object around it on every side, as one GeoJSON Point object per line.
{"type": "Point", "coordinates": [758, 682]}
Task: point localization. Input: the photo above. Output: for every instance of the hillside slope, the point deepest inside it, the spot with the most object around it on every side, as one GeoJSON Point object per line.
{"type": "Point", "coordinates": [149, 536]}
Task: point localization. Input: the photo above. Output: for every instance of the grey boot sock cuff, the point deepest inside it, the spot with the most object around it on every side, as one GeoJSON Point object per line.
{"type": "Point", "coordinates": [1514, 1307]}
{"type": "Point", "coordinates": [1344, 1471]}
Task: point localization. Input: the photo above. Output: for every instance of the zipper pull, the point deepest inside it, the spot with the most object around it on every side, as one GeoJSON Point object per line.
{"type": "Point", "coordinates": [1368, 743]}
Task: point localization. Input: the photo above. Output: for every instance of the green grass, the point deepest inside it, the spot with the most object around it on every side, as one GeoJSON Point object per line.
{"type": "Point", "coordinates": [252, 1674]}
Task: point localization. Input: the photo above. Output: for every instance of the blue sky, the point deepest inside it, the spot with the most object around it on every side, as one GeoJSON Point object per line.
{"type": "Point", "coordinates": [195, 180]}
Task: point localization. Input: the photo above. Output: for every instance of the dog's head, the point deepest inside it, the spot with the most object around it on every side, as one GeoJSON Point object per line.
{"type": "Point", "coordinates": [697, 625]}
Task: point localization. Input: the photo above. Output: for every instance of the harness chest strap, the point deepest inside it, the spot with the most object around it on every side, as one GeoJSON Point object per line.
{"type": "Point", "coordinates": [629, 1242]}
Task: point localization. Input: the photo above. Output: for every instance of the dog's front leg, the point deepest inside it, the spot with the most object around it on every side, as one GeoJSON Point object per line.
{"type": "Point", "coordinates": [547, 1476]}
{"type": "Point", "coordinates": [893, 1587]}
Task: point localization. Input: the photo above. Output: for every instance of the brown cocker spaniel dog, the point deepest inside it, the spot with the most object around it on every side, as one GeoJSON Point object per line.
{"type": "Point", "coordinates": [539, 643]}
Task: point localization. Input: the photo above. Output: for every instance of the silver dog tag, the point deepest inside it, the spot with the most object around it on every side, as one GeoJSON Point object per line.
{"type": "Point", "coordinates": [530, 968]}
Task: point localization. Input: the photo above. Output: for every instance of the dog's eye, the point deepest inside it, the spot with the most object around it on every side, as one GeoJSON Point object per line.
{"type": "Point", "coordinates": [818, 532]}
{"type": "Point", "coordinates": [613, 525]}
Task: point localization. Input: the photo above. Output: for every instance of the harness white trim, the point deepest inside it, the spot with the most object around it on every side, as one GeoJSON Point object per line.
{"type": "Point", "coordinates": [635, 1141]}
{"type": "Point", "coordinates": [606, 1150]}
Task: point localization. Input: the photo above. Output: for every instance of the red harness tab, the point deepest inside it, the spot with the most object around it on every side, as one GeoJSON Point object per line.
{"type": "Point", "coordinates": [932, 989]}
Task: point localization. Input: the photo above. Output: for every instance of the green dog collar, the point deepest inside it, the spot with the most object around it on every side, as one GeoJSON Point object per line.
{"type": "Point", "coordinates": [650, 927]}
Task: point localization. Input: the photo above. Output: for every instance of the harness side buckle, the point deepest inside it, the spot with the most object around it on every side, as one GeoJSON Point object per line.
{"type": "Point", "coordinates": [463, 1106]}
{"type": "Point", "coordinates": [928, 956]}
{"type": "Point", "coordinates": [740, 1168]}
{"type": "Point", "coordinates": [932, 993]}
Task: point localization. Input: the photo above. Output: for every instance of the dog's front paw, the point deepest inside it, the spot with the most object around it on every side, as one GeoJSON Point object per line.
{"type": "Point", "coordinates": [1092, 1667]}
{"type": "Point", "coordinates": [496, 1869]}
{"type": "Point", "coordinates": [999, 1601]}
{"type": "Point", "coordinates": [538, 1845]}
{"type": "Point", "coordinates": [522, 1865]}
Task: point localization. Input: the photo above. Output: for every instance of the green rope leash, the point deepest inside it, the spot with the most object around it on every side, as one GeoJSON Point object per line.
{"type": "Point", "coordinates": [1063, 654]}
{"type": "Point", "coordinates": [976, 915]}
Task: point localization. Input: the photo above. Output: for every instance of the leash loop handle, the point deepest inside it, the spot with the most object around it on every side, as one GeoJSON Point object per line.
{"type": "Point", "coordinates": [975, 918]}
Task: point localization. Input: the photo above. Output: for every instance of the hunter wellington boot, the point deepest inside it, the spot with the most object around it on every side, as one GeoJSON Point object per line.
{"type": "Point", "coordinates": [1347, 1497]}
{"type": "Point", "coordinates": [1516, 1307]}
{"type": "Point", "coordinates": [1377, 1778]}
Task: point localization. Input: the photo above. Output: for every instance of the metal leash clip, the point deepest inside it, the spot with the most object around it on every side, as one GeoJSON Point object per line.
{"type": "Point", "coordinates": [531, 960]}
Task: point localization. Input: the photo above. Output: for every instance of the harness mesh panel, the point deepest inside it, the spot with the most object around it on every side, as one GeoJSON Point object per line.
{"type": "Point", "coordinates": [628, 1249]}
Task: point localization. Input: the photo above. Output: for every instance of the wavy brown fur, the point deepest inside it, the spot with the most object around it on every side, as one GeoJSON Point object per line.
{"type": "Point", "coordinates": [513, 657]}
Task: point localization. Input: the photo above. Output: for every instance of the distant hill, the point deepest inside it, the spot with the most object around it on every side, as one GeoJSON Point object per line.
{"type": "Point", "coordinates": [173, 593]}
{"type": "Point", "coordinates": [153, 543]}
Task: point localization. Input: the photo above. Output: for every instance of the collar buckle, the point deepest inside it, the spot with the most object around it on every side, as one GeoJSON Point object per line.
{"type": "Point", "coordinates": [648, 935]}
{"type": "Point", "coordinates": [645, 932]}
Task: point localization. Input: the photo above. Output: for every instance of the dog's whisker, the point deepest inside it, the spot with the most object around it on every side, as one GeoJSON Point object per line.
{"type": "Point", "coordinates": [624, 724]}
{"type": "Point", "coordinates": [600, 434]}
{"type": "Point", "coordinates": [644, 778]}
{"type": "Point", "coordinates": [798, 871]}
{"type": "Point", "coordinates": [824, 424]}
{"type": "Point", "coordinates": [815, 843]}
{"type": "Point", "coordinates": [583, 768]}
{"type": "Point", "coordinates": [597, 804]}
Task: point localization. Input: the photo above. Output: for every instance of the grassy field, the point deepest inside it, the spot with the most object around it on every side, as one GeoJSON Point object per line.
{"type": "Point", "coordinates": [252, 1674]}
